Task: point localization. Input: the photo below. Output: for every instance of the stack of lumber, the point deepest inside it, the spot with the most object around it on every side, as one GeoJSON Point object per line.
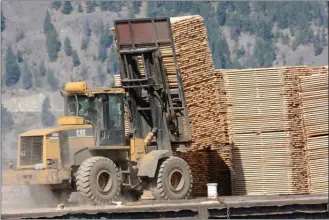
{"type": "Point", "coordinates": [205, 99]}
{"type": "Point", "coordinates": [204, 165]}
{"type": "Point", "coordinates": [290, 77]}
{"type": "Point", "coordinates": [258, 129]}
{"type": "Point", "coordinates": [200, 82]}
{"type": "Point", "coordinates": [314, 99]}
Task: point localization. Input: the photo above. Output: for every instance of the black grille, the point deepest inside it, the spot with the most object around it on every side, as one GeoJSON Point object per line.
{"type": "Point", "coordinates": [31, 150]}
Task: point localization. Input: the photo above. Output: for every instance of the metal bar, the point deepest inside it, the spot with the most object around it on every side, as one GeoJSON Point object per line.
{"type": "Point", "coordinates": [138, 51]}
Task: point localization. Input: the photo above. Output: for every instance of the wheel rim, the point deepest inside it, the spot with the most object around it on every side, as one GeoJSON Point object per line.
{"type": "Point", "coordinates": [176, 180]}
{"type": "Point", "coordinates": [104, 182]}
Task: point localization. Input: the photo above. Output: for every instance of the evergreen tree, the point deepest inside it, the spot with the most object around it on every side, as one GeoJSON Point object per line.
{"type": "Point", "coordinates": [42, 69]}
{"type": "Point", "coordinates": [105, 42]}
{"type": "Point", "coordinates": [91, 6]}
{"type": "Point", "coordinates": [3, 22]}
{"type": "Point", "coordinates": [76, 61]}
{"type": "Point", "coordinates": [80, 10]}
{"type": "Point", "coordinates": [52, 80]}
{"type": "Point", "coordinates": [53, 45]}
{"type": "Point", "coordinates": [27, 77]}
{"type": "Point", "coordinates": [7, 122]}
{"type": "Point", "coordinates": [86, 36]}
{"type": "Point", "coordinates": [13, 72]}
{"type": "Point", "coordinates": [56, 5]}
{"type": "Point", "coordinates": [221, 12]}
{"type": "Point", "coordinates": [68, 47]}
{"type": "Point", "coordinates": [47, 25]}
{"type": "Point", "coordinates": [105, 5]}
{"type": "Point", "coordinates": [20, 57]}
{"type": "Point", "coordinates": [47, 118]}
{"type": "Point", "coordinates": [67, 8]}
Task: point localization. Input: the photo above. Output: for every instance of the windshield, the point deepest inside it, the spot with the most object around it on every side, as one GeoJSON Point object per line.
{"type": "Point", "coordinates": [85, 107]}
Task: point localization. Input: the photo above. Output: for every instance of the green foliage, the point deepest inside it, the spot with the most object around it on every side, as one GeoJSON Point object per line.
{"type": "Point", "coordinates": [20, 57]}
{"type": "Point", "coordinates": [52, 80]}
{"type": "Point", "coordinates": [53, 45]}
{"type": "Point", "coordinates": [105, 41]}
{"type": "Point", "coordinates": [52, 42]}
{"type": "Point", "coordinates": [13, 72]}
{"type": "Point", "coordinates": [113, 64]}
{"type": "Point", "coordinates": [91, 6]}
{"type": "Point", "coordinates": [135, 7]}
{"type": "Point", "coordinates": [47, 25]}
{"type": "Point", "coordinates": [264, 30]}
{"type": "Point", "coordinates": [234, 22]}
{"type": "Point", "coordinates": [27, 77]}
{"type": "Point", "coordinates": [47, 118]}
{"type": "Point", "coordinates": [318, 45]}
{"type": "Point", "coordinates": [86, 35]}
{"type": "Point", "coordinates": [68, 47]}
{"type": "Point", "coordinates": [111, 5]}
{"type": "Point", "coordinates": [240, 52]}
{"type": "Point", "coordinates": [56, 4]}
{"type": "Point", "coordinates": [264, 52]}
{"type": "Point", "coordinates": [42, 68]}
{"type": "Point", "coordinates": [76, 61]}
{"type": "Point", "coordinates": [242, 7]}
{"type": "Point", "coordinates": [80, 10]}
{"type": "Point", "coordinates": [221, 12]}
{"type": "Point", "coordinates": [3, 22]}
{"type": "Point", "coordinates": [67, 8]}
{"type": "Point", "coordinates": [7, 122]}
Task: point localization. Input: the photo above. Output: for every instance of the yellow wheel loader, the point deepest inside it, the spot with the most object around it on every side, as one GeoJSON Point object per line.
{"type": "Point", "coordinates": [93, 151]}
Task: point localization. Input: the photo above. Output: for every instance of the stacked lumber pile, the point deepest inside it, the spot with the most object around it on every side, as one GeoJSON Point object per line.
{"type": "Point", "coordinates": [299, 164]}
{"type": "Point", "coordinates": [269, 135]}
{"type": "Point", "coordinates": [205, 99]}
{"type": "Point", "coordinates": [314, 99]}
{"type": "Point", "coordinates": [207, 167]}
{"type": "Point", "coordinates": [258, 129]}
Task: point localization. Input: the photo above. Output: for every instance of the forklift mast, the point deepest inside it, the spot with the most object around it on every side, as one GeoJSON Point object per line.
{"type": "Point", "coordinates": [155, 105]}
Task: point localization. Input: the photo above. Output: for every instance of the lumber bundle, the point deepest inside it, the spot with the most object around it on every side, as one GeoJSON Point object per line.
{"type": "Point", "coordinates": [206, 103]}
{"type": "Point", "coordinates": [201, 85]}
{"type": "Point", "coordinates": [205, 166]}
{"type": "Point", "coordinates": [264, 117]}
{"type": "Point", "coordinates": [314, 99]}
{"type": "Point", "coordinates": [258, 129]}
{"type": "Point", "coordinates": [290, 76]}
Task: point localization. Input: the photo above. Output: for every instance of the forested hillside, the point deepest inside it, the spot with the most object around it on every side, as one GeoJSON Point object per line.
{"type": "Point", "coordinates": [45, 44]}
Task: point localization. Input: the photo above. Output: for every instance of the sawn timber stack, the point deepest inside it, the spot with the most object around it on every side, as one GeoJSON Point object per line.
{"type": "Point", "coordinates": [314, 101]}
{"type": "Point", "coordinates": [203, 86]}
{"type": "Point", "coordinates": [265, 127]}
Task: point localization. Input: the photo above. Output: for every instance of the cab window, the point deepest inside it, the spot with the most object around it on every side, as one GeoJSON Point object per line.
{"type": "Point", "coordinates": [115, 112]}
{"type": "Point", "coordinates": [86, 107]}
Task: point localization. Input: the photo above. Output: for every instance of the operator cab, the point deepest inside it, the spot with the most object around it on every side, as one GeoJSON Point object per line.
{"type": "Point", "coordinates": [103, 110]}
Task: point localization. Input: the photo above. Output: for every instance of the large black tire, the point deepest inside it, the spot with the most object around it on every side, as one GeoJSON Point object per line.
{"type": "Point", "coordinates": [99, 179]}
{"type": "Point", "coordinates": [174, 180]}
